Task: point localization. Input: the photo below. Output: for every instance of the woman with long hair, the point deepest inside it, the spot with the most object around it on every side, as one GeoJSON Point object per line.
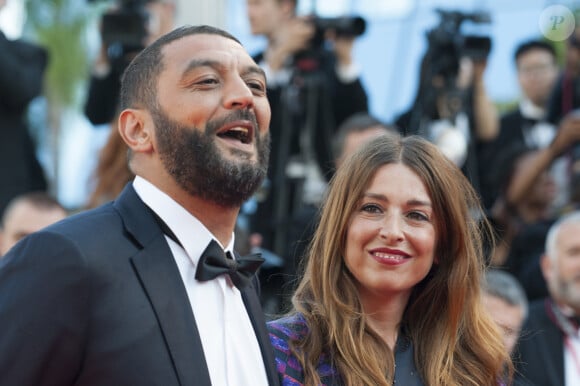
{"type": "Point", "coordinates": [391, 288]}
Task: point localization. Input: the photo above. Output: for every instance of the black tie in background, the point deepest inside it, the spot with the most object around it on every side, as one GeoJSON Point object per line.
{"type": "Point", "coordinates": [214, 262]}
{"type": "Point", "coordinates": [529, 122]}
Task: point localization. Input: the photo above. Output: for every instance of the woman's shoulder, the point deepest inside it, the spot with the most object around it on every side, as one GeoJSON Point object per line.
{"type": "Point", "coordinates": [282, 331]}
{"type": "Point", "coordinates": [290, 327]}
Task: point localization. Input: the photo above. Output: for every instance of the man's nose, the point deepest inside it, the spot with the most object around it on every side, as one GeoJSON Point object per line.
{"type": "Point", "coordinates": [238, 95]}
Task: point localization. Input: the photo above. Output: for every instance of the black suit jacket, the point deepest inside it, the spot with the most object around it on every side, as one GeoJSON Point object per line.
{"type": "Point", "coordinates": [511, 136]}
{"type": "Point", "coordinates": [22, 68]}
{"type": "Point", "coordinates": [539, 354]}
{"type": "Point", "coordinates": [97, 299]}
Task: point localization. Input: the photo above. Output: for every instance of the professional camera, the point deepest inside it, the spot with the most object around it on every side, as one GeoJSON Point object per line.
{"type": "Point", "coordinates": [124, 30]}
{"type": "Point", "coordinates": [447, 45]}
{"type": "Point", "coordinates": [345, 26]}
{"type": "Point", "coordinates": [447, 48]}
{"type": "Point", "coordinates": [126, 26]}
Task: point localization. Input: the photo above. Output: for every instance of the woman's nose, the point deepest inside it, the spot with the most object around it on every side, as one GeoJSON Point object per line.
{"type": "Point", "coordinates": [391, 229]}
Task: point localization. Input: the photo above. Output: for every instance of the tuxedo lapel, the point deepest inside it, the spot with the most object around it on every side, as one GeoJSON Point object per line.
{"type": "Point", "coordinates": [252, 303]}
{"type": "Point", "coordinates": [159, 275]}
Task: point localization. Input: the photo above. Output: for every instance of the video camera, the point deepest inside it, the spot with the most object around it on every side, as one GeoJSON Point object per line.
{"type": "Point", "coordinates": [124, 30]}
{"type": "Point", "coordinates": [447, 45]}
{"type": "Point", "coordinates": [344, 26]}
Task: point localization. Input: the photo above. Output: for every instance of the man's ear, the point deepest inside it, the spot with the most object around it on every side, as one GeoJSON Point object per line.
{"type": "Point", "coordinates": [136, 130]}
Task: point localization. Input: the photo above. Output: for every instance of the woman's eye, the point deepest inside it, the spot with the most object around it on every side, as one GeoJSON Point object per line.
{"type": "Point", "coordinates": [418, 216]}
{"type": "Point", "coordinates": [371, 208]}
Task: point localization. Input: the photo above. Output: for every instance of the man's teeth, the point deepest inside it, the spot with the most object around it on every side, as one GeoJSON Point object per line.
{"type": "Point", "coordinates": [240, 133]}
{"type": "Point", "coordinates": [241, 129]}
{"type": "Point", "coordinates": [387, 256]}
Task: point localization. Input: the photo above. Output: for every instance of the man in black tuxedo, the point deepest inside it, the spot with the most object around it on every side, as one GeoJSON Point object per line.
{"type": "Point", "coordinates": [527, 124]}
{"type": "Point", "coordinates": [549, 345]}
{"type": "Point", "coordinates": [133, 292]}
{"type": "Point", "coordinates": [22, 67]}
{"type": "Point", "coordinates": [537, 71]}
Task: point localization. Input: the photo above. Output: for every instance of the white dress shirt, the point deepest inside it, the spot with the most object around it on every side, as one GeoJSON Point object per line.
{"type": "Point", "coordinates": [229, 342]}
{"type": "Point", "coordinates": [572, 361]}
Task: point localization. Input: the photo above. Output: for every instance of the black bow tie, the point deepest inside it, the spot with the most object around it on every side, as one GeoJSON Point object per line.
{"type": "Point", "coordinates": [530, 122]}
{"type": "Point", "coordinates": [214, 262]}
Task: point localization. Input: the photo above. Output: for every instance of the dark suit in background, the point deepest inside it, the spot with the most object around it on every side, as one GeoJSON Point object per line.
{"type": "Point", "coordinates": [539, 354]}
{"type": "Point", "coordinates": [22, 68]}
{"type": "Point", "coordinates": [516, 130]}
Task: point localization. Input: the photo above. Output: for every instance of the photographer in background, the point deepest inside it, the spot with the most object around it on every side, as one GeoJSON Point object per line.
{"type": "Point", "coordinates": [22, 67]}
{"type": "Point", "coordinates": [452, 108]}
{"type": "Point", "coordinates": [125, 30]}
{"type": "Point", "coordinates": [526, 124]}
{"type": "Point", "coordinates": [312, 89]}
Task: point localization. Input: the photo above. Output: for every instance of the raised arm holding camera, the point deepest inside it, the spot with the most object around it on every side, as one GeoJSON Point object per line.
{"type": "Point", "coordinates": [125, 30]}
{"type": "Point", "coordinates": [312, 89]}
{"type": "Point", "coordinates": [452, 107]}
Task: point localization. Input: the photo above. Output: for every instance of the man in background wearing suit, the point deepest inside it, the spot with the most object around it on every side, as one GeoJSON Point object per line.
{"type": "Point", "coordinates": [537, 70]}
{"type": "Point", "coordinates": [548, 352]}
{"type": "Point", "coordinates": [140, 291]}
{"type": "Point", "coordinates": [526, 124]}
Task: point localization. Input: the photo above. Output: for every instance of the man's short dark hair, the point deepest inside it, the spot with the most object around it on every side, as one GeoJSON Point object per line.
{"type": "Point", "coordinates": [531, 45]}
{"type": "Point", "coordinates": [139, 81]}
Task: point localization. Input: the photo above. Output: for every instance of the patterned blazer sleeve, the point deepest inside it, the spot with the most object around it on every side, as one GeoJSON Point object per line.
{"type": "Point", "coordinates": [294, 328]}
{"type": "Point", "coordinates": [281, 333]}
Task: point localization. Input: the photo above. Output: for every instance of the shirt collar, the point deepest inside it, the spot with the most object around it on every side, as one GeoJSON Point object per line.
{"type": "Point", "coordinates": [530, 110]}
{"type": "Point", "coordinates": [191, 233]}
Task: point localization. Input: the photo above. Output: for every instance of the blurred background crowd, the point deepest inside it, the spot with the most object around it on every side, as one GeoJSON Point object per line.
{"type": "Point", "coordinates": [494, 84]}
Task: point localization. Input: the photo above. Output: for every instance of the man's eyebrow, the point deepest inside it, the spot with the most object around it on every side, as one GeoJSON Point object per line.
{"type": "Point", "coordinates": [255, 70]}
{"type": "Point", "coordinates": [197, 63]}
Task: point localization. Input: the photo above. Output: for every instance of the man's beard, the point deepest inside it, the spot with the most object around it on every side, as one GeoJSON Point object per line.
{"type": "Point", "coordinates": [194, 160]}
{"type": "Point", "coordinates": [569, 292]}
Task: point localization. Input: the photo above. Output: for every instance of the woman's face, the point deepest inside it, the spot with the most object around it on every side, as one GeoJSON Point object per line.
{"type": "Point", "coordinates": [390, 241]}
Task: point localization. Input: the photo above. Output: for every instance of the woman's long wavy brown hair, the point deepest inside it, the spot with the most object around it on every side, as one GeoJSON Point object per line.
{"type": "Point", "coordinates": [455, 342]}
